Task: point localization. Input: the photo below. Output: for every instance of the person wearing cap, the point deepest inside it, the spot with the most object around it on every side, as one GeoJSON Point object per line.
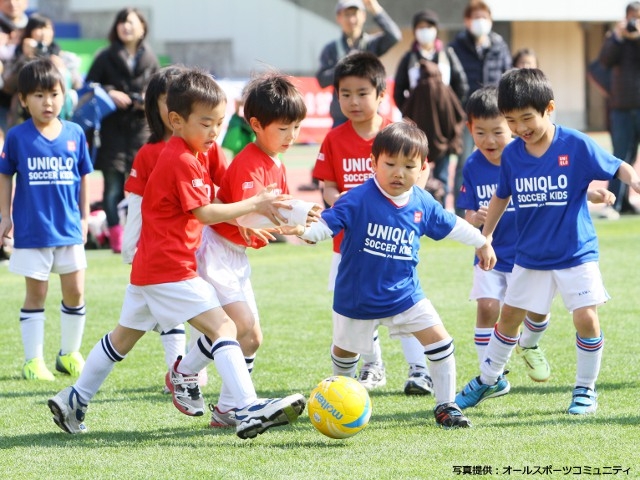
{"type": "Point", "coordinates": [429, 54]}
{"type": "Point", "coordinates": [351, 16]}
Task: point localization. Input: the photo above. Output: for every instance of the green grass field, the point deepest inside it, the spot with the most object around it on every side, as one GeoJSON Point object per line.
{"type": "Point", "coordinates": [135, 432]}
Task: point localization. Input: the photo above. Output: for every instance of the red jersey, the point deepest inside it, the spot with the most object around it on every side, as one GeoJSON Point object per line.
{"type": "Point", "coordinates": [250, 172]}
{"type": "Point", "coordinates": [170, 236]}
{"type": "Point", "coordinates": [345, 158]}
{"type": "Point", "coordinates": [147, 157]}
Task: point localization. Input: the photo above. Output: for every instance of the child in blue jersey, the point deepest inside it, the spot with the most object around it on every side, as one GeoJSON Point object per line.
{"type": "Point", "coordinates": [377, 281]}
{"type": "Point", "coordinates": [50, 161]}
{"type": "Point", "coordinates": [545, 173]}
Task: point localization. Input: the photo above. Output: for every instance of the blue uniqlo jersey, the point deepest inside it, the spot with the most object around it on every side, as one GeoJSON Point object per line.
{"type": "Point", "coordinates": [377, 274]}
{"type": "Point", "coordinates": [480, 178]}
{"type": "Point", "coordinates": [46, 210]}
{"type": "Point", "coordinates": [549, 194]}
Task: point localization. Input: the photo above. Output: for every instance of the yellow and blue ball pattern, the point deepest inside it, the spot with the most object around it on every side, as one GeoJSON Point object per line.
{"type": "Point", "coordinates": [339, 407]}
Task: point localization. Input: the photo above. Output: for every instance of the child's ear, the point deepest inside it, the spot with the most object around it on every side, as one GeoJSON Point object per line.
{"type": "Point", "coordinates": [374, 162]}
{"type": "Point", "coordinates": [551, 107]}
{"type": "Point", "coordinates": [23, 100]}
{"type": "Point", "coordinates": [175, 120]}
{"type": "Point", "coordinates": [255, 124]}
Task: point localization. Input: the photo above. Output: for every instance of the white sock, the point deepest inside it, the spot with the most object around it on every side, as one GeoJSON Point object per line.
{"type": "Point", "coordinates": [32, 330]}
{"type": "Point", "coordinates": [589, 353]}
{"type": "Point", "coordinates": [532, 332]}
{"type": "Point", "coordinates": [173, 342]}
{"type": "Point", "coordinates": [72, 320]}
{"type": "Point", "coordinates": [226, 400]}
{"type": "Point", "coordinates": [344, 366]}
{"type": "Point", "coordinates": [97, 368]}
{"type": "Point", "coordinates": [198, 356]}
{"type": "Point", "coordinates": [232, 368]}
{"type": "Point", "coordinates": [414, 354]}
{"type": "Point", "coordinates": [496, 357]}
{"type": "Point", "coordinates": [481, 339]}
{"type": "Point", "coordinates": [443, 370]}
{"type": "Point", "coordinates": [376, 355]}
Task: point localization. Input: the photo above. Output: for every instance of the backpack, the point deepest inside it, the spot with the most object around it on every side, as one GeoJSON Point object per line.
{"type": "Point", "coordinates": [94, 104]}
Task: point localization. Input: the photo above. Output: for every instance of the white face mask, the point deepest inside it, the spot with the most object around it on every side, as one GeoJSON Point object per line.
{"type": "Point", "coordinates": [426, 35]}
{"type": "Point", "coordinates": [480, 27]}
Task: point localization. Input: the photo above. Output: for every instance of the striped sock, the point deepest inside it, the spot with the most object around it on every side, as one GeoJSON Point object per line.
{"type": "Point", "coordinates": [496, 356]}
{"type": "Point", "coordinates": [589, 357]}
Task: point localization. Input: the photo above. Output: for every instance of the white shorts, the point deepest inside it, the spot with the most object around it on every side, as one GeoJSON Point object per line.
{"type": "Point", "coordinates": [166, 304]}
{"type": "Point", "coordinates": [38, 263]}
{"type": "Point", "coordinates": [489, 284]}
{"type": "Point", "coordinates": [356, 336]}
{"type": "Point", "coordinates": [533, 290]}
{"type": "Point", "coordinates": [225, 265]}
{"type": "Point", "coordinates": [333, 270]}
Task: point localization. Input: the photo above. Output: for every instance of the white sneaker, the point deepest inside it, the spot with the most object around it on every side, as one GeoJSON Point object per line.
{"type": "Point", "coordinates": [68, 411]}
{"type": "Point", "coordinates": [220, 419]}
{"type": "Point", "coordinates": [266, 413]}
{"type": "Point", "coordinates": [418, 383]}
{"type": "Point", "coordinates": [372, 376]}
{"type": "Point", "coordinates": [186, 392]}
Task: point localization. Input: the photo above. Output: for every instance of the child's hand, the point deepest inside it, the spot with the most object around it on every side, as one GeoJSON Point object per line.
{"type": "Point", "coordinates": [6, 225]}
{"type": "Point", "coordinates": [312, 216]}
{"type": "Point", "coordinates": [486, 255]}
{"type": "Point", "coordinates": [601, 195]}
{"type": "Point", "coordinates": [636, 186]}
{"type": "Point", "coordinates": [478, 218]}
{"type": "Point", "coordinates": [267, 204]}
{"type": "Point", "coordinates": [296, 230]}
{"type": "Point", "coordinates": [259, 233]}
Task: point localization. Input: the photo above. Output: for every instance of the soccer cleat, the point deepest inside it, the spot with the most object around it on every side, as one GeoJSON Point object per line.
{"type": "Point", "coordinates": [186, 392]}
{"type": "Point", "coordinates": [537, 366]}
{"type": "Point", "coordinates": [372, 376]}
{"type": "Point", "coordinates": [36, 369]}
{"type": "Point", "coordinates": [220, 419]}
{"type": "Point", "coordinates": [475, 392]}
{"type": "Point", "coordinates": [68, 411]}
{"type": "Point", "coordinates": [418, 383]}
{"type": "Point", "coordinates": [448, 415]}
{"type": "Point", "coordinates": [585, 400]}
{"type": "Point", "coordinates": [70, 363]}
{"type": "Point", "coordinates": [266, 413]}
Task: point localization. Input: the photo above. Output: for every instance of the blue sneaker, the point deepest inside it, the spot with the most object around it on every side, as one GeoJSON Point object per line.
{"type": "Point", "coordinates": [475, 392]}
{"type": "Point", "coordinates": [585, 400]}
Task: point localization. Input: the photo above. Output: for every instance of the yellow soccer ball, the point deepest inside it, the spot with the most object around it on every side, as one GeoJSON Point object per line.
{"type": "Point", "coordinates": [339, 407]}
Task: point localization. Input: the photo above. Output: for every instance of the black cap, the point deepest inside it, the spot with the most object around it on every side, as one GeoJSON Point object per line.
{"type": "Point", "coordinates": [426, 16]}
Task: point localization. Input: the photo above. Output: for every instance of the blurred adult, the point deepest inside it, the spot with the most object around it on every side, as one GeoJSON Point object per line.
{"type": "Point", "coordinates": [430, 85]}
{"type": "Point", "coordinates": [525, 58]}
{"type": "Point", "coordinates": [485, 56]}
{"type": "Point", "coordinates": [13, 20]}
{"type": "Point", "coordinates": [621, 53]}
{"type": "Point", "coordinates": [123, 68]}
{"type": "Point", "coordinates": [351, 16]}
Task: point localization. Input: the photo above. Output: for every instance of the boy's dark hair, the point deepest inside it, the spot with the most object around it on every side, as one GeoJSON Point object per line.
{"type": "Point", "coordinates": [191, 87]}
{"type": "Point", "coordinates": [521, 88]}
{"type": "Point", "coordinates": [271, 97]}
{"type": "Point", "coordinates": [362, 65]}
{"type": "Point", "coordinates": [158, 85]}
{"type": "Point", "coordinates": [483, 103]}
{"type": "Point", "coordinates": [401, 138]}
{"type": "Point", "coordinates": [121, 17]}
{"type": "Point", "coordinates": [475, 5]}
{"type": "Point", "coordinates": [39, 74]}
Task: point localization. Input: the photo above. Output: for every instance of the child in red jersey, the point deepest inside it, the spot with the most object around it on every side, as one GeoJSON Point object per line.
{"type": "Point", "coordinates": [343, 163]}
{"type": "Point", "coordinates": [165, 288]}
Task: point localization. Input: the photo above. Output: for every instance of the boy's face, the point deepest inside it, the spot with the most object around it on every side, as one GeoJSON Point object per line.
{"type": "Point", "coordinates": [202, 127]}
{"type": "Point", "coordinates": [358, 99]}
{"type": "Point", "coordinates": [44, 106]}
{"type": "Point", "coordinates": [397, 175]}
{"type": "Point", "coordinates": [490, 135]}
{"type": "Point", "coordinates": [276, 137]}
{"type": "Point", "coordinates": [532, 127]}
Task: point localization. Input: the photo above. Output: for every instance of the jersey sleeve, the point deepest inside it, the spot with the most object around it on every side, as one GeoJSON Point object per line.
{"type": "Point", "coordinates": [217, 164]}
{"type": "Point", "coordinates": [323, 168]}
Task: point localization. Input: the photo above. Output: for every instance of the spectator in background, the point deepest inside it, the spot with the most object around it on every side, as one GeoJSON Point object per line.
{"type": "Point", "coordinates": [13, 20]}
{"type": "Point", "coordinates": [525, 58]}
{"type": "Point", "coordinates": [351, 16]}
{"type": "Point", "coordinates": [123, 68]}
{"type": "Point", "coordinates": [485, 56]}
{"type": "Point", "coordinates": [621, 53]}
{"type": "Point", "coordinates": [422, 93]}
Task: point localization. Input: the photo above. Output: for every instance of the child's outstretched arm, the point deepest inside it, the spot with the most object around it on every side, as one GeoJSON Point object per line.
{"type": "Point", "coordinates": [85, 206]}
{"type": "Point", "coordinates": [601, 195]}
{"type": "Point", "coordinates": [6, 186]}
{"type": "Point", "coordinates": [496, 208]}
{"type": "Point", "coordinates": [627, 174]}
{"type": "Point", "coordinates": [468, 234]}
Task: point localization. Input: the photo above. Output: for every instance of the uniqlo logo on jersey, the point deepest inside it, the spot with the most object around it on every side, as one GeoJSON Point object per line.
{"type": "Point", "coordinates": [320, 157]}
{"type": "Point", "coordinates": [462, 189]}
{"type": "Point", "coordinates": [417, 217]}
{"type": "Point", "coordinates": [71, 146]}
{"type": "Point", "coordinates": [563, 160]}
{"type": "Point", "coordinates": [247, 185]}
{"type": "Point", "coordinates": [197, 182]}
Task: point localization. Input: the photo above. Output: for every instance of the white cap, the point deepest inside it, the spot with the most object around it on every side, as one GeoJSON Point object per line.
{"type": "Point", "coordinates": [344, 4]}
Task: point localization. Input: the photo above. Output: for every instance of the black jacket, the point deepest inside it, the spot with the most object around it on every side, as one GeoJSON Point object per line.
{"type": "Point", "coordinates": [623, 58]}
